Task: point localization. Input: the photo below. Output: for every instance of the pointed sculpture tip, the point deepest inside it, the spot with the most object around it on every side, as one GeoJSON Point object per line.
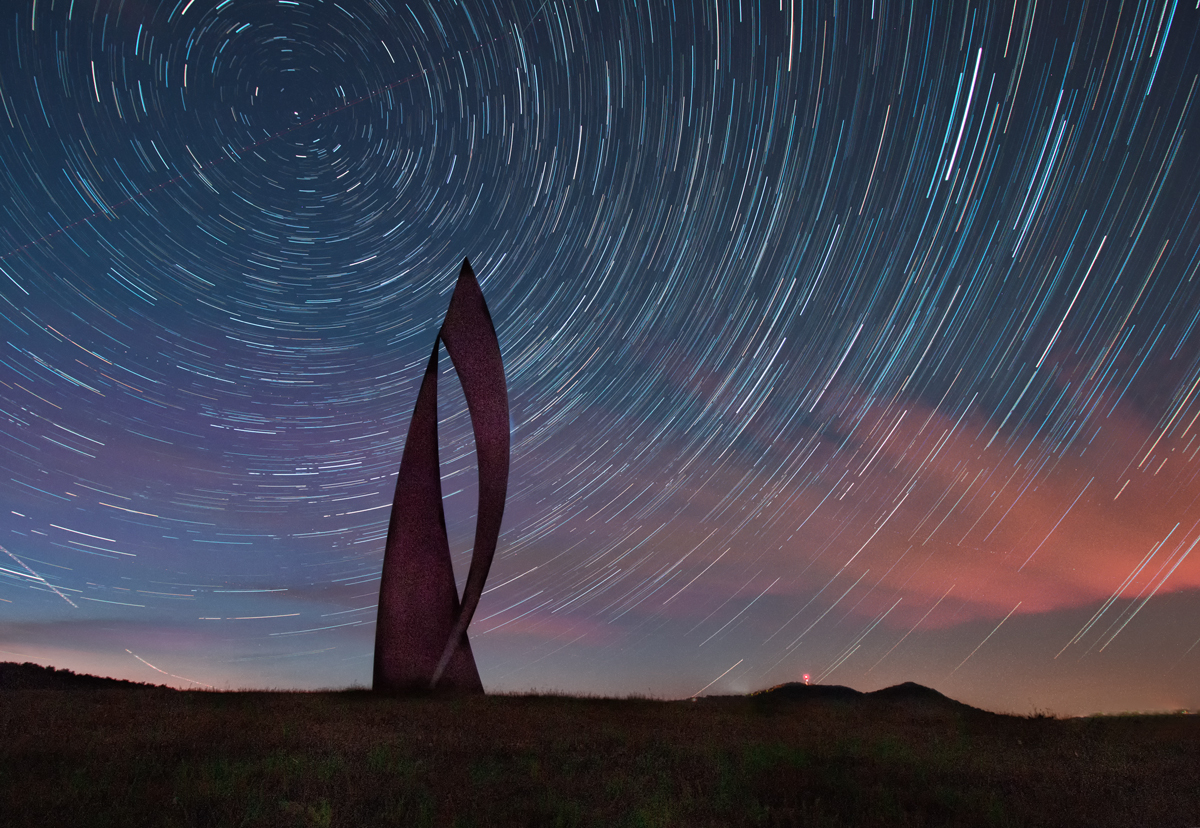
{"type": "Point", "coordinates": [467, 272]}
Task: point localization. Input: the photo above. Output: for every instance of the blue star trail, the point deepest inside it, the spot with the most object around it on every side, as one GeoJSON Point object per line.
{"type": "Point", "coordinates": [851, 340]}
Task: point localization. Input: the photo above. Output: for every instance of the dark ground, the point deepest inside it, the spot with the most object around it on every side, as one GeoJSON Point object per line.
{"type": "Point", "coordinates": [79, 751]}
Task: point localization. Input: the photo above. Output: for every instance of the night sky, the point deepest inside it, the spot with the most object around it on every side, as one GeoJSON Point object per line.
{"type": "Point", "coordinates": [856, 340]}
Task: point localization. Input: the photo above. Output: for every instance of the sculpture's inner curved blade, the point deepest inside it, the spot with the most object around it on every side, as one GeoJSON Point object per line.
{"type": "Point", "coordinates": [421, 633]}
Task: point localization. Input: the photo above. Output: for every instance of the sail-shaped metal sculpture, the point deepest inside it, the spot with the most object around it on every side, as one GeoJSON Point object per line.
{"type": "Point", "coordinates": [421, 632]}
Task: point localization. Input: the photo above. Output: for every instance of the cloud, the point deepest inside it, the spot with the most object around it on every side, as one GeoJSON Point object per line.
{"type": "Point", "coordinates": [1037, 514]}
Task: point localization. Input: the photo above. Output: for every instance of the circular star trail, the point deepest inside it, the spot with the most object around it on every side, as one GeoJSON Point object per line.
{"type": "Point", "coordinates": [857, 340]}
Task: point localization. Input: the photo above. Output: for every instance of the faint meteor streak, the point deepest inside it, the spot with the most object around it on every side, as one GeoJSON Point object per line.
{"type": "Point", "coordinates": [985, 639]}
{"type": "Point", "coordinates": [36, 577]}
{"type": "Point", "coordinates": [1060, 520]}
{"type": "Point", "coordinates": [714, 681]}
{"type": "Point", "coordinates": [853, 648]}
{"type": "Point", "coordinates": [739, 615]}
{"type": "Point", "coordinates": [165, 673]}
{"type": "Point", "coordinates": [914, 627]}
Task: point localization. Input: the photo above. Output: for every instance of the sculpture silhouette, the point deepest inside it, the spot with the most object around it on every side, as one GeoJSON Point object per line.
{"type": "Point", "coordinates": [421, 632]}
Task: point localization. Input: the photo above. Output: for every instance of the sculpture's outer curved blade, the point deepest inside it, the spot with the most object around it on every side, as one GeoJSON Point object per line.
{"type": "Point", "coordinates": [421, 634]}
{"type": "Point", "coordinates": [418, 600]}
{"type": "Point", "coordinates": [471, 341]}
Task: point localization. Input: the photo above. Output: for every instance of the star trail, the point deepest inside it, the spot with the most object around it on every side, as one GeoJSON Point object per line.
{"type": "Point", "coordinates": [851, 340]}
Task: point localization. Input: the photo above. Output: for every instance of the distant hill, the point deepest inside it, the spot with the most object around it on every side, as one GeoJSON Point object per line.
{"type": "Point", "coordinates": [908, 694]}
{"type": "Point", "coordinates": [30, 676]}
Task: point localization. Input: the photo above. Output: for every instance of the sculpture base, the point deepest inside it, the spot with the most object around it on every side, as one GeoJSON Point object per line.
{"type": "Point", "coordinates": [409, 673]}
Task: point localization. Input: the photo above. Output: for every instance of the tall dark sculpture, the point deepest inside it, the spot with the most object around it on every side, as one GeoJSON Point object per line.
{"type": "Point", "coordinates": [421, 633]}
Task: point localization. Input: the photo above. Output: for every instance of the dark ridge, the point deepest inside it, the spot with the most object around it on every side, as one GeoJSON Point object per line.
{"type": "Point", "coordinates": [910, 691]}
{"type": "Point", "coordinates": [797, 691]}
{"type": "Point", "coordinates": [908, 694]}
{"type": "Point", "coordinates": [913, 695]}
{"type": "Point", "coordinates": [29, 676]}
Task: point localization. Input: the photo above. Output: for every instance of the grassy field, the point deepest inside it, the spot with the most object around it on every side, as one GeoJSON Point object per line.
{"type": "Point", "coordinates": [146, 756]}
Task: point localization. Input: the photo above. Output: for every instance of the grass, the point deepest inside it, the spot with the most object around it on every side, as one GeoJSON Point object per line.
{"type": "Point", "coordinates": [152, 756]}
